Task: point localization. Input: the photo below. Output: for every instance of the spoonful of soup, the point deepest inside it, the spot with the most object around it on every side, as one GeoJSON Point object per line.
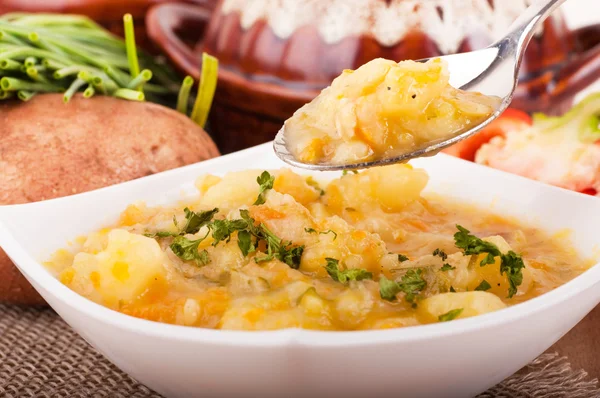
{"type": "Point", "coordinates": [386, 112]}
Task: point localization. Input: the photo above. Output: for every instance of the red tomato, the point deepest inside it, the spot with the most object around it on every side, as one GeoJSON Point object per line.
{"type": "Point", "coordinates": [510, 120]}
{"type": "Point", "coordinates": [590, 191]}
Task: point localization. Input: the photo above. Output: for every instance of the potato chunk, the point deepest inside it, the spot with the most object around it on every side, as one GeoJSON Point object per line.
{"type": "Point", "coordinates": [472, 303]}
{"type": "Point", "coordinates": [130, 265]}
{"type": "Point", "coordinates": [392, 187]}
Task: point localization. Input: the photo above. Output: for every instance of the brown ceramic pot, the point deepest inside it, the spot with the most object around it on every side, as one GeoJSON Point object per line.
{"type": "Point", "coordinates": [274, 59]}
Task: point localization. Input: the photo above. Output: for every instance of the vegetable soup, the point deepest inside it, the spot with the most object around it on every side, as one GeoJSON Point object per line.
{"type": "Point", "coordinates": [261, 250]}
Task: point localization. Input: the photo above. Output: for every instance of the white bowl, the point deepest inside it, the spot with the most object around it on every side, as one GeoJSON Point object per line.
{"type": "Point", "coordinates": [455, 359]}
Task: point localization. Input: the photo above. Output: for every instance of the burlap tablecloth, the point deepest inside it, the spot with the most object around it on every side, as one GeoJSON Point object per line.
{"type": "Point", "coordinates": [41, 356]}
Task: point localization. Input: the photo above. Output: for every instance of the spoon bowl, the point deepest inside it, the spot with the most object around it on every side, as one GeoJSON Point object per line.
{"type": "Point", "coordinates": [492, 71]}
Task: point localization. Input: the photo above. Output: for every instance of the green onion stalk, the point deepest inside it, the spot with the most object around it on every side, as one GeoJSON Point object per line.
{"type": "Point", "coordinates": [70, 54]}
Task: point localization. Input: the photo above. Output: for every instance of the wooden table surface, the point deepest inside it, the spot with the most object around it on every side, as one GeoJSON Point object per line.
{"type": "Point", "coordinates": [582, 344]}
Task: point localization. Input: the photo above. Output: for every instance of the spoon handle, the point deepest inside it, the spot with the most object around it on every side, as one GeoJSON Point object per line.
{"type": "Point", "coordinates": [523, 28]}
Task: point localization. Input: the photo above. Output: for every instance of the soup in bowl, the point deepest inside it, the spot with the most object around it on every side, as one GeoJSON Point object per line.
{"type": "Point", "coordinates": [455, 358]}
{"type": "Point", "coordinates": [273, 249]}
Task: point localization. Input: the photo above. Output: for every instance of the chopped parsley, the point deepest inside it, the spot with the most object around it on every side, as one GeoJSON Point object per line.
{"type": "Point", "coordinates": [470, 244]}
{"type": "Point", "coordinates": [279, 249]}
{"type": "Point", "coordinates": [441, 254]}
{"type": "Point", "coordinates": [248, 234]}
{"type": "Point", "coordinates": [245, 243]}
{"type": "Point", "coordinates": [483, 286]}
{"type": "Point", "coordinates": [311, 181]}
{"type": "Point", "coordinates": [402, 258]}
{"type": "Point", "coordinates": [450, 315]}
{"type": "Point", "coordinates": [265, 181]}
{"type": "Point", "coordinates": [187, 250]}
{"type": "Point", "coordinates": [346, 275]}
{"type": "Point", "coordinates": [351, 171]}
{"type": "Point", "coordinates": [194, 221]}
{"type": "Point", "coordinates": [447, 267]}
{"type": "Point", "coordinates": [452, 289]}
{"type": "Point", "coordinates": [511, 263]}
{"type": "Point", "coordinates": [314, 231]}
{"type": "Point", "coordinates": [222, 229]}
{"type": "Point", "coordinates": [410, 284]}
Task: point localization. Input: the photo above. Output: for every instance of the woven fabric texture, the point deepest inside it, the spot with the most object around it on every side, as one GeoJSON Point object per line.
{"type": "Point", "coordinates": [41, 356]}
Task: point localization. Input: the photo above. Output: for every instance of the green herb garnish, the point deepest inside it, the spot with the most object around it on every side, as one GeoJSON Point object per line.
{"type": "Point", "coordinates": [447, 267]}
{"type": "Point", "coordinates": [402, 258]}
{"type": "Point", "coordinates": [410, 284]}
{"type": "Point", "coordinates": [314, 231]}
{"type": "Point", "coordinates": [265, 181]}
{"type": "Point", "coordinates": [450, 315]}
{"type": "Point", "coordinates": [248, 234]}
{"type": "Point", "coordinates": [470, 244]}
{"type": "Point", "coordinates": [222, 229]}
{"type": "Point", "coordinates": [346, 275]}
{"type": "Point", "coordinates": [245, 243]}
{"type": "Point", "coordinates": [441, 254]}
{"type": "Point", "coordinates": [452, 289]}
{"type": "Point", "coordinates": [344, 172]}
{"type": "Point", "coordinates": [510, 263]}
{"type": "Point", "coordinates": [483, 286]}
{"type": "Point", "coordinates": [194, 221]}
{"type": "Point", "coordinates": [279, 249]}
{"type": "Point", "coordinates": [187, 250]}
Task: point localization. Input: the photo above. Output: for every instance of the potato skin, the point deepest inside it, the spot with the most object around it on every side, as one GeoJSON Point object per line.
{"type": "Point", "coordinates": [49, 149]}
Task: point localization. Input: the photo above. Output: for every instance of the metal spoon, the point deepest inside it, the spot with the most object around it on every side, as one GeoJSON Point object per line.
{"type": "Point", "coordinates": [491, 71]}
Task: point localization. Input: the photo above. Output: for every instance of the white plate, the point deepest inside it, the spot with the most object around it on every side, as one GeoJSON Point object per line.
{"type": "Point", "coordinates": [455, 359]}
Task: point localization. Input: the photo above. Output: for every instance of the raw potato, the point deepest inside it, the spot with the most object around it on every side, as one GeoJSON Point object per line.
{"type": "Point", "coordinates": [49, 149]}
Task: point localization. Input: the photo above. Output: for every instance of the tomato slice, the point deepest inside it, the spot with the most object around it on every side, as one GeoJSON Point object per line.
{"type": "Point", "coordinates": [510, 120]}
{"type": "Point", "coordinates": [590, 191]}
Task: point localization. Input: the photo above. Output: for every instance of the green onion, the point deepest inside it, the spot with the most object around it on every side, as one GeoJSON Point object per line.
{"type": "Point", "coordinates": [24, 52]}
{"type": "Point", "coordinates": [5, 94]}
{"type": "Point", "coordinates": [206, 89]}
{"type": "Point", "coordinates": [119, 77]}
{"type": "Point", "coordinates": [71, 53]}
{"type": "Point", "coordinates": [129, 94]}
{"type": "Point", "coordinates": [7, 38]}
{"type": "Point", "coordinates": [140, 79]}
{"type": "Point", "coordinates": [85, 76]}
{"type": "Point", "coordinates": [48, 63]}
{"type": "Point", "coordinates": [30, 61]}
{"type": "Point", "coordinates": [34, 74]}
{"type": "Point", "coordinates": [184, 94]}
{"type": "Point", "coordinates": [13, 84]}
{"type": "Point", "coordinates": [89, 91]}
{"type": "Point", "coordinates": [9, 64]}
{"type": "Point", "coordinates": [132, 58]}
{"type": "Point", "coordinates": [73, 88]}
{"type": "Point", "coordinates": [24, 95]}
{"type": "Point", "coordinates": [64, 72]}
